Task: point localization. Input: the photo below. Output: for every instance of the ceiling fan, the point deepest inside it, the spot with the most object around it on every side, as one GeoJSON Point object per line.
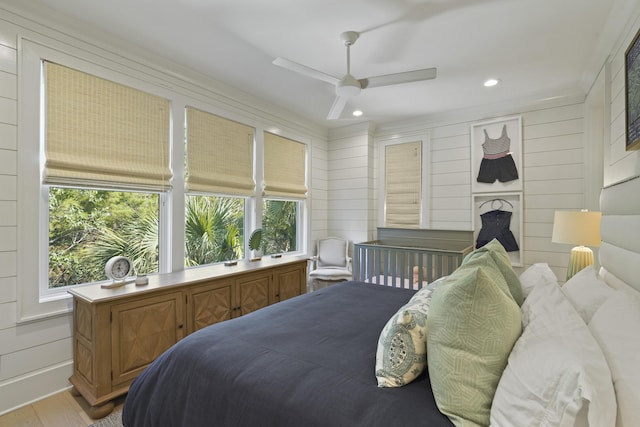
{"type": "Point", "coordinates": [348, 86]}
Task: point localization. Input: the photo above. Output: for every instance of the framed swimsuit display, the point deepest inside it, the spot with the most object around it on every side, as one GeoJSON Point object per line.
{"type": "Point", "coordinates": [496, 155]}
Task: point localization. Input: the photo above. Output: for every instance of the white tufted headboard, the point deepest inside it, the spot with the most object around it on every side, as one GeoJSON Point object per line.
{"type": "Point", "coordinates": [620, 232]}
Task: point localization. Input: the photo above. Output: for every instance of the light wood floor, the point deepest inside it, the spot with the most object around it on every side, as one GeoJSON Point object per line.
{"type": "Point", "coordinates": [60, 410]}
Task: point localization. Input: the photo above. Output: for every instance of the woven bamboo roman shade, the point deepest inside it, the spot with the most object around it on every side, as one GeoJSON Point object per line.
{"type": "Point", "coordinates": [103, 134]}
{"type": "Point", "coordinates": [219, 155]}
{"type": "Point", "coordinates": [284, 167]}
{"type": "Point", "coordinates": [403, 184]}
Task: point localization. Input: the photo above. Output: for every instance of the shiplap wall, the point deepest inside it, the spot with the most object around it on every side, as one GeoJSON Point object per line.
{"type": "Point", "coordinates": [319, 188]}
{"type": "Point", "coordinates": [351, 179]}
{"type": "Point", "coordinates": [554, 171]}
{"type": "Point", "coordinates": [450, 194]}
{"type": "Point", "coordinates": [35, 356]}
{"type": "Point", "coordinates": [553, 177]}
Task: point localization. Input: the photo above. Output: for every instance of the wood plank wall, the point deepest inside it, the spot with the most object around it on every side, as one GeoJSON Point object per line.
{"type": "Point", "coordinates": [42, 346]}
{"type": "Point", "coordinates": [553, 171]}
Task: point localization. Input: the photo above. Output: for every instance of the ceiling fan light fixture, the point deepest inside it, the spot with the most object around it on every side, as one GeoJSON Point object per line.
{"type": "Point", "coordinates": [348, 87]}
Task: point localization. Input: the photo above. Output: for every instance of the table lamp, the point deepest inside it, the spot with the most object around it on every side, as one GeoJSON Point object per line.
{"type": "Point", "coordinates": [580, 228]}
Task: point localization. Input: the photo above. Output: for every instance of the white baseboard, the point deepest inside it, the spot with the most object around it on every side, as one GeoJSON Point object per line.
{"type": "Point", "coordinates": [34, 386]}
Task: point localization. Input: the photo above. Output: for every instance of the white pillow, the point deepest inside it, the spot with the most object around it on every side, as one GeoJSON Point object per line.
{"type": "Point", "coordinates": [555, 368]}
{"type": "Point", "coordinates": [537, 273]}
{"type": "Point", "coordinates": [587, 291]}
{"type": "Point", "coordinates": [616, 326]}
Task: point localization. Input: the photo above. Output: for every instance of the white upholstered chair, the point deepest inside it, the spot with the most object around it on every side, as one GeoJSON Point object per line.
{"type": "Point", "coordinates": [332, 261]}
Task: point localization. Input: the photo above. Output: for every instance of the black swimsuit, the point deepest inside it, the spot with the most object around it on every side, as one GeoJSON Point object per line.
{"type": "Point", "coordinates": [495, 224]}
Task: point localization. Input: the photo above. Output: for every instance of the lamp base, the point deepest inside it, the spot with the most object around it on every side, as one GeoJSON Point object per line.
{"type": "Point", "coordinates": [581, 257]}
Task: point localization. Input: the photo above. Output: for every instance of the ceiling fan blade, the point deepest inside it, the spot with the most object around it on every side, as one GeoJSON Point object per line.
{"type": "Point", "coordinates": [398, 78]}
{"type": "Point", "coordinates": [336, 109]}
{"type": "Point", "coordinates": [303, 69]}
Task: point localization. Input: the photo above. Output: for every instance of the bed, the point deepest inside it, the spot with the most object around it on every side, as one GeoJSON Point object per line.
{"type": "Point", "coordinates": [252, 372]}
{"type": "Point", "coordinates": [410, 258]}
{"type": "Point", "coordinates": [557, 356]}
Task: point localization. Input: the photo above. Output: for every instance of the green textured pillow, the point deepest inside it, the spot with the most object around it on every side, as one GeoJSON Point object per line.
{"type": "Point", "coordinates": [402, 347]}
{"type": "Point", "coordinates": [501, 259]}
{"type": "Point", "coordinates": [473, 324]}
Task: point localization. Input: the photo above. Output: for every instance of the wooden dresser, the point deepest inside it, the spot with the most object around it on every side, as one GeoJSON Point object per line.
{"type": "Point", "coordinates": [118, 332]}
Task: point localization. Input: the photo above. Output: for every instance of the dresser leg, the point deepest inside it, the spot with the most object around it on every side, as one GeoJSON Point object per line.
{"type": "Point", "coordinates": [74, 392]}
{"type": "Point", "coordinates": [101, 411]}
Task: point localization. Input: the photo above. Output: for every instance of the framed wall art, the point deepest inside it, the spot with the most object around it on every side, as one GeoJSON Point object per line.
{"type": "Point", "coordinates": [632, 93]}
{"type": "Point", "coordinates": [499, 215]}
{"type": "Point", "coordinates": [496, 155]}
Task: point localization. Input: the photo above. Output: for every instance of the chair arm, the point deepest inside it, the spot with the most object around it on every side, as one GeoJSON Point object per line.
{"type": "Point", "coordinates": [314, 260]}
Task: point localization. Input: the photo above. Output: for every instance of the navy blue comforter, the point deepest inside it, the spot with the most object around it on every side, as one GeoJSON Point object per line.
{"type": "Point", "coordinates": [307, 361]}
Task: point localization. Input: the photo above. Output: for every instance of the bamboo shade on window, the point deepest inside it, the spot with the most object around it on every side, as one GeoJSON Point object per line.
{"type": "Point", "coordinates": [284, 167]}
{"type": "Point", "coordinates": [219, 155]}
{"type": "Point", "coordinates": [402, 184]}
{"type": "Point", "coordinates": [100, 133]}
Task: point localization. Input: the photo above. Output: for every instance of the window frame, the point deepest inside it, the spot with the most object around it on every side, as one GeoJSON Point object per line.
{"type": "Point", "coordinates": [38, 301]}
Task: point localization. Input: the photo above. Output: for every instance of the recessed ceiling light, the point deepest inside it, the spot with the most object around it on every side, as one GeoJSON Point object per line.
{"type": "Point", "coordinates": [357, 113]}
{"type": "Point", "coordinates": [491, 82]}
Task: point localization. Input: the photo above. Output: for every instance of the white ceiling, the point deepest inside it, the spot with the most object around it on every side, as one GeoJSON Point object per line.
{"type": "Point", "coordinates": [537, 48]}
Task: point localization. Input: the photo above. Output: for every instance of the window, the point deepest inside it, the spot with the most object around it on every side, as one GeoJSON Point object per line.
{"type": "Point", "coordinates": [219, 177]}
{"type": "Point", "coordinates": [284, 178]}
{"type": "Point", "coordinates": [100, 136]}
{"type": "Point", "coordinates": [403, 184]}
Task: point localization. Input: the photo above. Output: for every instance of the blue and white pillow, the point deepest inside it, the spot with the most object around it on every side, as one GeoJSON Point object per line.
{"type": "Point", "coordinates": [402, 347]}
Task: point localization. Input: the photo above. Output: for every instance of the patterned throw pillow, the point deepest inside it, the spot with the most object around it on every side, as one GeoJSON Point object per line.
{"type": "Point", "coordinates": [402, 347]}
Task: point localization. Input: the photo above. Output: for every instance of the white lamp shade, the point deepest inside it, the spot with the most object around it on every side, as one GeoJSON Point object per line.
{"type": "Point", "coordinates": [577, 228]}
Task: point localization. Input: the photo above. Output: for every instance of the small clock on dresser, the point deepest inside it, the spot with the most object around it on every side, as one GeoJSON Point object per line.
{"type": "Point", "coordinates": [117, 269]}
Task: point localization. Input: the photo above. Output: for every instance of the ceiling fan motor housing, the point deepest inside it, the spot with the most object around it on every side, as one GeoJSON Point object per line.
{"type": "Point", "coordinates": [349, 37]}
